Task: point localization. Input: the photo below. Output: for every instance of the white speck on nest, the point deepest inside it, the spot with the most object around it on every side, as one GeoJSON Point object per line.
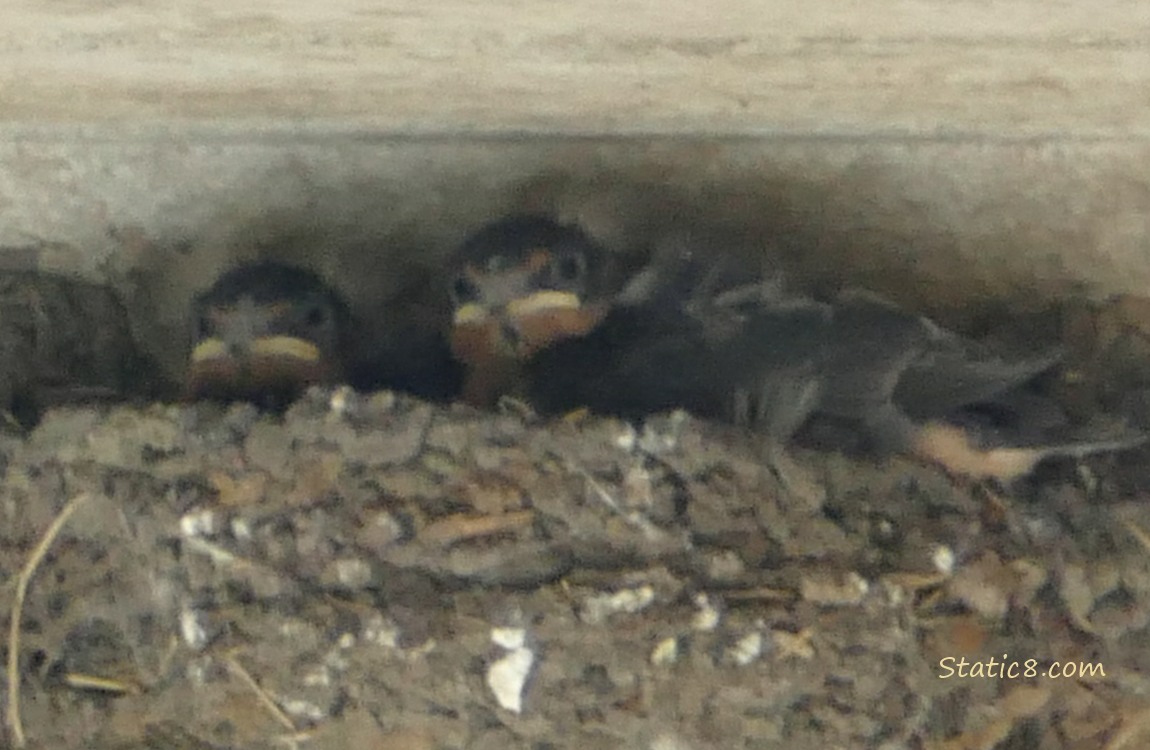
{"type": "Point", "coordinates": [943, 559]}
{"type": "Point", "coordinates": [598, 608]}
{"type": "Point", "coordinates": [192, 629]}
{"type": "Point", "coordinates": [507, 676]}
{"type": "Point", "coordinates": [834, 589]}
{"type": "Point", "coordinates": [353, 573]}
{"type": "Point", "coordinates": [199, 671]}
{"type": "Point", "coordinates": [340, 400]}
{"type": "Point", "coordinates": [302, 709]}
{"type": "Point", "coordinates": [665, 652]}
{"type": "Point", "coordinates": [747, 649]}
{"type": "Point", "coordinates": [626, 439]}
{"type": "Point", "coordinates": [663, 438]}
{"type": "Point", "coordinates": [318, 677]}
{"type": "Point", "coordinates": [382, 401]}
{"type": "Point", "coordinates": [638, 489]}
{"type": "Point", "coordinates": [198, 523]}
{"type": "Point", "coordinates": [509, 638]}
{"type": "Point", "coordinates": [670, 742]}
{"type": "Point", "coordinates": [384, 526]}
{"type": "Point", "coordinates": [335, 660]}
{"type": "Point", "coordinates": [708, 617]}
{"type": "Point", "coordinates": [241, 529]}
{"type": "Point", "coordinates": [381, 632]}
{"type": "Point", "coordinates": [896, 595]}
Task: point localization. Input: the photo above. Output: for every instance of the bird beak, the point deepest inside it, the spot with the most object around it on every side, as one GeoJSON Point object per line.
{"type": "Point", "coordinates": [521, 327]}
{"type": "Point", "coordinates": [266, 365]}
{"type": "Point", "coordinates": [264, 347]}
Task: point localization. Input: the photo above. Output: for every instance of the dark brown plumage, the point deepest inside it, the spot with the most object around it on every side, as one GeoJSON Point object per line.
{"type": "Point", "coordinates": [900, 382]}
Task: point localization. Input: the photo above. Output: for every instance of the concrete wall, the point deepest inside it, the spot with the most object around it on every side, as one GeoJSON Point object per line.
{"type": "Point", "coordinates": [957, 155]}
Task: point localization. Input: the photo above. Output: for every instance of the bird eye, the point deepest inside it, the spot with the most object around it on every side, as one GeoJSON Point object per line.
{"type": "Point", "coordinates": [569, 268]}
{"type": "Point", "coordinates": [464, 289]}
{"type": "Point", "coordinates": [316, 316]}
{"type": "Point", "coordinates": [203, 327]}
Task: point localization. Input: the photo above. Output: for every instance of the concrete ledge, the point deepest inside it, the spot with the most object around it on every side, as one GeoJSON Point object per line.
{"type": "Point", "coordinates": [728, 66]}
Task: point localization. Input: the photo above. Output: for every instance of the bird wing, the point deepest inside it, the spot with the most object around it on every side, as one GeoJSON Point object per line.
{"type": "Point", "coordinates": [716, 363]}
{"type": "Point", "coordinates": [946, 378]}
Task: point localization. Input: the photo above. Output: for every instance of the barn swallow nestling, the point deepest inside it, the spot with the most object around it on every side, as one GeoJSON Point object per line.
{"type": "Point", "coordinates": [777, 364]}
{"type": "Point", "coordinates": [520, 285]}
{"type": "Point", "coordinates": [264, 332]}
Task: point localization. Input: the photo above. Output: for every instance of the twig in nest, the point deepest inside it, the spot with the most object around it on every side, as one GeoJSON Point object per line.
{"type": "Point", "coordinates": [1140, 534]}
{"type": "Point", "coordinates": [1133, 727]}
{"type": "Point", "coordinates": [26, 573]}
{"type": "Point", "coordinates": [294, 741]}
{"type": "Point", "coordinates": [267, 701]}
{"type": "Point", "coordinates": [80, 681]}
{"type": "Point", "coordinates": [635, 519]}
{"type": "Point", "coordinates": [460, 527]}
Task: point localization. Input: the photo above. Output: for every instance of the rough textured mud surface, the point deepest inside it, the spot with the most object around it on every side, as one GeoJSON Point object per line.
{"type": "Point", "coordinates": [369, 570]}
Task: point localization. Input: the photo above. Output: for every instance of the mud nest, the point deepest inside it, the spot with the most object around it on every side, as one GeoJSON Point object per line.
{"type": "Point", "coordinates": [370, 570]}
